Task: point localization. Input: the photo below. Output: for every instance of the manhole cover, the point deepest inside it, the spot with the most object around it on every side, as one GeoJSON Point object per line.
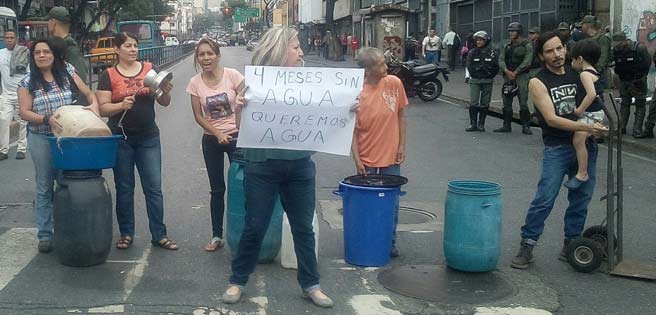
{"type": "Point", "coordinates": [409, 215]}
{"type": "Point", "coordinates": [446, 286]}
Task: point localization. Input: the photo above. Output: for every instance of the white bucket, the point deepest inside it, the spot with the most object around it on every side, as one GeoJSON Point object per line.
{"type": "Point", "coordinates": [287, 254]}
{"type": "Point", "coordinates": [79, 122]}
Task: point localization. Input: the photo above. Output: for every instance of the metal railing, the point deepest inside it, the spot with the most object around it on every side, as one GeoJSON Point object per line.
{"type": "Point", "coordinates": [159, 56]}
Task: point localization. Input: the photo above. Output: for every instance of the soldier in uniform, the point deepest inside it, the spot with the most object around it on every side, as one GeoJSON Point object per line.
{"type": "Point", "coordinates": [483, 66]}
{"type": "Point", "coordinates": [651, 118]}
{"type": "Point", "coordinates": [536, 64]}
{"type": "Point", "coordinates": [592, 29]}
{"type": "Point", "coordinates": [59, 25]}
{"type": "Point", "coordinates": [515, 60]}
{"type": "Point", "coordinates": [632, 62]}
{"type": "Point", "coordinates": [565, 36]}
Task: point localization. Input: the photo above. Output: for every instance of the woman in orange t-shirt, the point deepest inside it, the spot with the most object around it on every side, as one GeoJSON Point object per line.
{"type": "Point", "coordinates": [379, 135]}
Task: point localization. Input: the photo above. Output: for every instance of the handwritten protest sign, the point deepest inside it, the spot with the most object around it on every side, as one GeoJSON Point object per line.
{"type": "Point", "coordinates": [300, 108]}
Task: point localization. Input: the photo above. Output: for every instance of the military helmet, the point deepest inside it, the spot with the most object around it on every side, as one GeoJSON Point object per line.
{"type": "Point", "coordinates": [515, 26]}
{"type": "Point", "coordinates": [482, 34]}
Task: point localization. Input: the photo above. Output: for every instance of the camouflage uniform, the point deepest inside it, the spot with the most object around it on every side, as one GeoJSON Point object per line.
{"type": "Point", "coordinates": [632, 62]}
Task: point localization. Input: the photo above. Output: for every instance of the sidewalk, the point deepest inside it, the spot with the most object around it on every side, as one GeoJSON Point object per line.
{"type": "Point", "coordinates": [457, 91]}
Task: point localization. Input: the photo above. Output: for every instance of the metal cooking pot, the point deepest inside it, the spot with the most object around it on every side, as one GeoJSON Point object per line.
{"type": "Point", "coordinates": [154, 81]}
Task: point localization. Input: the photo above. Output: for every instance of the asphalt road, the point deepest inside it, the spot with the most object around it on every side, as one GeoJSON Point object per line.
{"type": "Point", "coordinates": [151, 280]}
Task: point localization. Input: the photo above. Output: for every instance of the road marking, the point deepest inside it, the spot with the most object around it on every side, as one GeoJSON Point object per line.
{"type": "Point", "coordinates": [19, 246]}
{"type": "Point", "coordinates": [262, 303]}
{"type": "Point", "coordinates": [448, 102]}
{"type": "Point", "coordinates": [370, 304]}
{"type": "Point", "coordinates": [135, 274]}
{"type": "Point", "coordinates": [109, 309]}
{"type": "Point", "coordinates": [510, 311]}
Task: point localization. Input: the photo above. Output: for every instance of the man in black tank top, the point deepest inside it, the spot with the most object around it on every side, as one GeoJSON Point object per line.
{"type": "Point", "coordinates": [554, 92]}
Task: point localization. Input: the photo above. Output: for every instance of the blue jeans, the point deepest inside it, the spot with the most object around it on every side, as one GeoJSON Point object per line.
{"type": "Point", "coordinates": [560, 161]}
{"type": "Point", "coordinates": [294, 180]}
{"type": "Point", "coordinates": [431, 56]}
{"type": "Point", "coordinates": [394, 169]}
{"type": "Point", "coordinates": [45, 175]}
{"type": "Point", "coordinates": [146, 154]}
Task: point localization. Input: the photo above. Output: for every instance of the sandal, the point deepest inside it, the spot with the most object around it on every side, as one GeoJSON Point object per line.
{"type": "Point", "coordinates": [165, 243]}
{"type": "Point", "coordinates": [124, 242]}
{"type": "Point", "coordinates": [214, 244]}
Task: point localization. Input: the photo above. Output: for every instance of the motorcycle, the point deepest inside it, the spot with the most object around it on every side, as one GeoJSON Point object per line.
{"type": "Point", "coordinates": [418, 78]}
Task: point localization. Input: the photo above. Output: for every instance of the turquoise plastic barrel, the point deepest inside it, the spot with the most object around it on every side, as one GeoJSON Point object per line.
{"type": "Point", "coordinates": [237, 215]}
{"type": "Point", "coordinates": [472, 225]}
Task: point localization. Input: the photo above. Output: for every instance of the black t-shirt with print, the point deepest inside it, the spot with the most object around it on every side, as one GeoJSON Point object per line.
{"type": "Point", "coordinates": [562, 90]}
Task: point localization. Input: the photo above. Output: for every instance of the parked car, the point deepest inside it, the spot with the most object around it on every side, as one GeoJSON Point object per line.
{"type": "Point", "coordinates": [222, 43]}
{"type": "Point", "coordinates": [171, 41]}
{"type": "Point", "coordinates": [252, 44]}
{"type": "Point", "coordinates": [190, 41]}
{"type": "Point", "coordinates": [103, 47]}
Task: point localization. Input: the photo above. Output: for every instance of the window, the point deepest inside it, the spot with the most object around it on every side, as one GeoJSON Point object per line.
{"type": "Point", "coordinates": [142, 31]}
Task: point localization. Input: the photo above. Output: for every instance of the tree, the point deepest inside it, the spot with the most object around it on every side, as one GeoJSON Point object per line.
{"type": "Point", "coordinates": [330, 15]}
{"type": "Point", "coordinates": [25, 10]}
{"type": "Point", "coordinates": [267, 15]}
{"type": "Point", "coordinates": [236, 4]}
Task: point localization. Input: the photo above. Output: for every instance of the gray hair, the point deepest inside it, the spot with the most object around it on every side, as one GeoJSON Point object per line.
{"type": "Point", "coordinates": [368, 56]}
{"type": "Point", "coordinates": [272, 50]}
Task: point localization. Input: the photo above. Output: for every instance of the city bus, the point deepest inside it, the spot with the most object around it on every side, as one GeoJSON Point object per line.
{"type": "Point", "coordinates": [28, 31]}
{"type": "Point", "coordinates": [7, 23]}
{"type": "Point", "coordinates": [147, 32]}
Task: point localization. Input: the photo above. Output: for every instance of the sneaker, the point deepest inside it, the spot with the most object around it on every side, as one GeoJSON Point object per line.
{"type": "Point", "coordinates": [524, 256]}
{"type": "Point", "coordinates": [20, 155]}
{"type": "Point", "coordinates": [394, 252]}
{"type": "Point", "coordinates": [45, 246]}
{"type": "Point", "coordinates": [564, 251]}
{"type": "Point", "coordinates": [232, 298]}
{"type": "Point", "coordinates": [3, 156]}
{"type": "Point", "coordinates": [325, 302]}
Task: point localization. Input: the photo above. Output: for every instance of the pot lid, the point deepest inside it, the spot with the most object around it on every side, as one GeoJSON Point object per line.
{"type": "Point", "coordinates": [376, 180]}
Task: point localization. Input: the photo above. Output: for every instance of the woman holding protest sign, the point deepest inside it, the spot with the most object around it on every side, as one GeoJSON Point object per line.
{"type": "Point", "coordinates": [213, 96]}
{"type": "Point", "coordinates": [269, 172]}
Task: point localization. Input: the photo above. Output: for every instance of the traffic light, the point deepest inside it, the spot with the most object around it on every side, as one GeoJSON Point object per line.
{"type": "Point", "coordinates": [227, 12]}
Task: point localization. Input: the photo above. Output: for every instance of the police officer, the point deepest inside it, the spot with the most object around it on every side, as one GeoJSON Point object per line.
{"type": "Point", "coordinates": [515, 60]}
{"type": "Point", "coordinates": [651, 119]}
{"type": "Point", "coordinates": [592, 29]}
{"type": "Point", "coordinates": [59, 25]}
{"type": "Point", "coordinates": [483, 66]}
{"type": "Point", "coordinates": [632, 62]}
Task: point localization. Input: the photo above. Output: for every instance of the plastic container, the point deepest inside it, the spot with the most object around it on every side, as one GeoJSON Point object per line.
{"type": "Point", "coordinates": [472, 225]}
{"type": "Point", "coordinates": [83, 153]}
{"type": "Point", "coordinates": [83, 219]}
{"type": "Point", "coordinates": [368, 223]}
{"type": "Point", "coordinates": [237, 215]}
{"type": "Point", "coordinates": [287, 253]}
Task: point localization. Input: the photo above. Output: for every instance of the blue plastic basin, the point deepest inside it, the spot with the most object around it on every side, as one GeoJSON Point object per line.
{"type": "Point", "coordinates": [83, 153]}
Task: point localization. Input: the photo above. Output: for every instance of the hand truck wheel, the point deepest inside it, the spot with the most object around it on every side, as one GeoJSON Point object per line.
{"type": "Point", "coordinates": [585, 254]}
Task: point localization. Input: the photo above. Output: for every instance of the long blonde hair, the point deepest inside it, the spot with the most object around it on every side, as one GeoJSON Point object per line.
{"type": "Point", "coordinates": [272, 50]}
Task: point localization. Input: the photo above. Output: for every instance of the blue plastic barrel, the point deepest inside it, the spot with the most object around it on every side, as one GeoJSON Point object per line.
{"type": "Point", "coordinates": [237, 216]}
{"type": "Point", "coordinates": [83, 153]}
{"type": "Point", "coordinates": [368, 223]}
{"type": "Point", "coordinates": [472, 225]}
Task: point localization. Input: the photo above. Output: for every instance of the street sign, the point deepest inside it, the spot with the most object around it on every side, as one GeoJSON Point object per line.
{"type": "Point", "coordinates": [247, 12]}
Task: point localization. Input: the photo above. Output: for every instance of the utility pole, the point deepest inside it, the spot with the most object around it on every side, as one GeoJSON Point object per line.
{"type": "Point", "coordinates": [429, 4]}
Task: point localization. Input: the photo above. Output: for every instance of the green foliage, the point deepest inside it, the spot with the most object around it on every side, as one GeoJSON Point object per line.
{"type": "Point", "coordinates": [143, 9]}
{"type": "Point", "coordinates": [236, 4]}
{"type": "Point", "coordinates": [204, 22]}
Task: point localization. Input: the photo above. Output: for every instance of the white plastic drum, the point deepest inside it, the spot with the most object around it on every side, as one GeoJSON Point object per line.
{"type": "Point", "coordinates": [287, 254]}
{"type": "Point", "coordinates": [79, 122]}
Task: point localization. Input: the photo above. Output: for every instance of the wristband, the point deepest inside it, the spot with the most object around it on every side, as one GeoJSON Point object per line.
{"type": "Point", "coordinates": [46, 119]}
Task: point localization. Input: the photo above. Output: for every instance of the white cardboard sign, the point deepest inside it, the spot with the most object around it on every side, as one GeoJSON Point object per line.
{"type": "Point", "coordinates": [300, 108]}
